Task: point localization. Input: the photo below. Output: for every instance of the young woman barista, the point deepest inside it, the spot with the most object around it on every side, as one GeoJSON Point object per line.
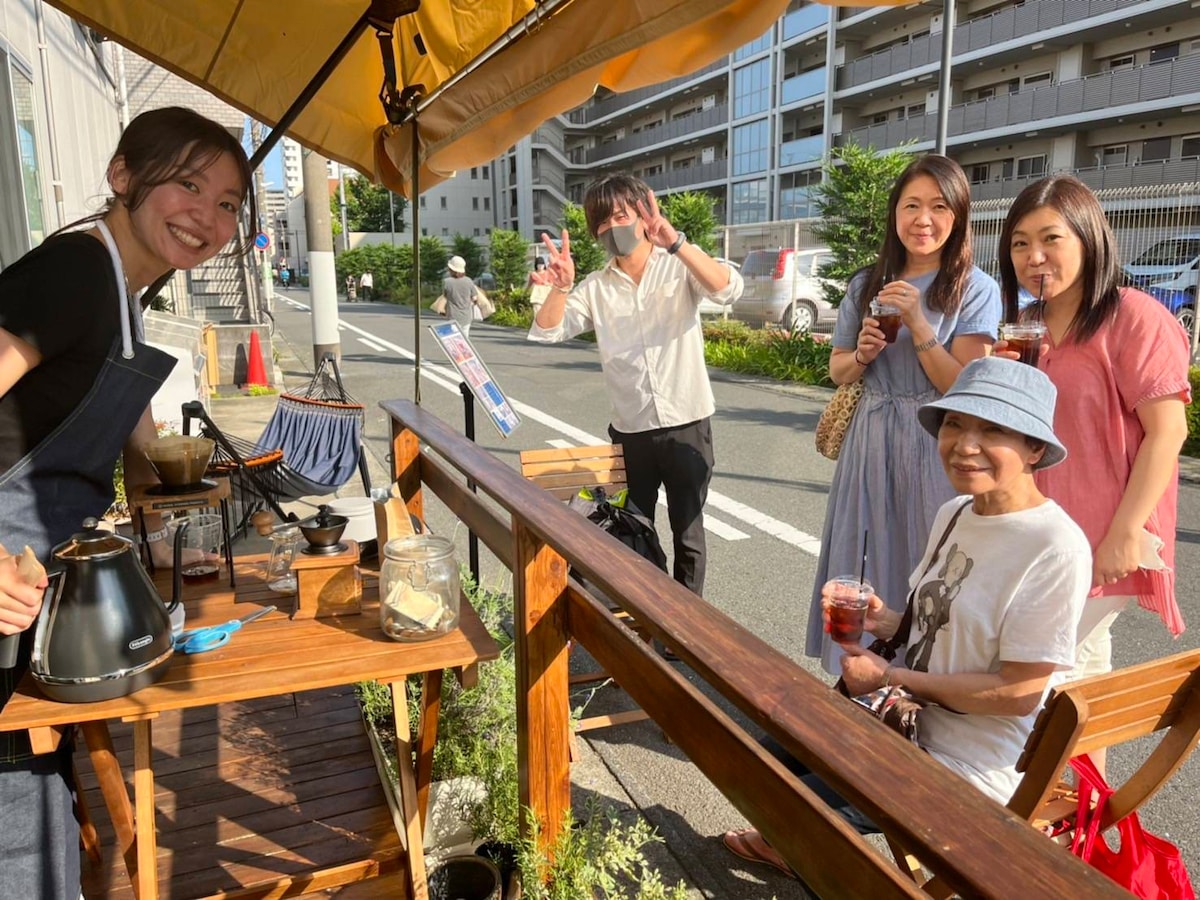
{"type": "Point", "coordinates": [76, 379]}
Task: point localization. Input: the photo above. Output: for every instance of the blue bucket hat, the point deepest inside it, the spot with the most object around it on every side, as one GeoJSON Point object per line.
{"type": "Point", "coordinates": [1008, 393]}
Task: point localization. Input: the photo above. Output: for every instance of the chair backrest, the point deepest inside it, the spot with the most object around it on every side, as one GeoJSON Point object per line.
{"type": "Point", "coordinates": [1103, 711]}
{"type": "Point", "coordinates": [563, 472]}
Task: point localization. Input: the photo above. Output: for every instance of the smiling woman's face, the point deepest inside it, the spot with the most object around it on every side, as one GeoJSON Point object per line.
{"type": "Point", "coordinates": [981, 457]}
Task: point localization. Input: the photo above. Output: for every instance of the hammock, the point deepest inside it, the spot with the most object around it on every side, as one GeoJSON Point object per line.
{"type": "Point", "coordinates": [311, 446]}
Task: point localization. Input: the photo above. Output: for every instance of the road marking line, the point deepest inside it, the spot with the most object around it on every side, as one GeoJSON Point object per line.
{"type": "Point", "coordinates": [445, 377]}
{"type": "Point", "coordinates": [560, 445]}
{"type": "Point", "coordinates": [372, 345]}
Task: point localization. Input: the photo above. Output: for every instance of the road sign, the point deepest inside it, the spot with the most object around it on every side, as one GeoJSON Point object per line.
{"type": "Point", "coordinates": [261, 241]}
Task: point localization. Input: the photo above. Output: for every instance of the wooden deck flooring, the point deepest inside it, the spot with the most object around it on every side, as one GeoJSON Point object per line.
{"type": "Point", "coordinates": [248, 793]}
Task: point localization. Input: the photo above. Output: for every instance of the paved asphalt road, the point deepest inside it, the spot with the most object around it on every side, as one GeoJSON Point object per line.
{"type": "Point", "coordinates": [765, 512]}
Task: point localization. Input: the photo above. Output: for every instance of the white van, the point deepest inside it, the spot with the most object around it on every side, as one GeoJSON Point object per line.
{"type": "Point", "coordinates": [776, 277]}
{"type": "Point", "coordinates": [1172, 264]}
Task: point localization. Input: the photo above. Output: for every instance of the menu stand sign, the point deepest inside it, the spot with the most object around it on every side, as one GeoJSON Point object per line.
{"type": "Point", "coordinates": [475, 373]}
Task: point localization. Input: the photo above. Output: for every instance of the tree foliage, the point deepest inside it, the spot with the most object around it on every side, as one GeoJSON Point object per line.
{"type": "Point", "coordinates": [508, 259]}
{"type": "Point", "coordinates": [852, 200]}
{"type": "Point", "coordinates": [588, 255]}
{"type": "Point", "coordinates": [692, 213]}
{"type": "Point", "coordinates": [471, 253]}
{"type": "Point", "coordinates": [367, 207]}
{"type": "Point", "coordinates": [433, 260]}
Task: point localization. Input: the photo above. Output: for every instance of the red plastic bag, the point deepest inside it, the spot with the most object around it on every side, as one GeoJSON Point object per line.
{"type": "Point", "coordinates": [1147, 865]}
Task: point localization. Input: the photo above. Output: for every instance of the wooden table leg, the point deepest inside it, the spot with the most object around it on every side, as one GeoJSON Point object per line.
{"type": "Point", "coordinates": [431, 706]}
{"type": "Point", "coordinates": [116, 797]}
{"type": "Point", "coordinates": [414, 841]}
{"type": "Point", "coordinates": [143, 792]}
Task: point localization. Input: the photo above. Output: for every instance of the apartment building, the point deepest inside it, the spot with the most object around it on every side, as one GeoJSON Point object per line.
{"type": "Point", "coordinates": [1108, 89]}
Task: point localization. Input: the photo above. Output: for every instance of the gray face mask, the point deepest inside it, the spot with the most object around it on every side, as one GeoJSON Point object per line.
{"type": "Point", "coordinates": [620, 240]}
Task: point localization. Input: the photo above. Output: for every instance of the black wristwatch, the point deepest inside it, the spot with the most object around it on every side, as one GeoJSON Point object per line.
{"type": "Point", "coordinates": [679, 242]}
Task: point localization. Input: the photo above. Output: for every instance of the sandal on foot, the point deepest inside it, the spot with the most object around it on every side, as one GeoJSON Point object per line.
{"type": "Point", "coordinates": [748, 844]}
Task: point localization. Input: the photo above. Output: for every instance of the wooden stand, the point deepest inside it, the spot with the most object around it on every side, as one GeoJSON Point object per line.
{"type": "Point", "coordinates": [143, 500]}
{"type": "Point", "coordinates": [328, 585]}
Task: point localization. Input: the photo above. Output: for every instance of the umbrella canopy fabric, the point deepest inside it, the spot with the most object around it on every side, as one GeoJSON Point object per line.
{"type": "Point", "coordinates": [493, 70]}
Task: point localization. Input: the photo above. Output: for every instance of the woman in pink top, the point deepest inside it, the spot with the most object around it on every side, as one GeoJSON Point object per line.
{"type": "Point", "coordinates": [1120, 363]}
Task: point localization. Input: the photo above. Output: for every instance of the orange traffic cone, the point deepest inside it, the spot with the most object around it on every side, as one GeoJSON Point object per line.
{"type": "Point", "coordinates": [256, 372]}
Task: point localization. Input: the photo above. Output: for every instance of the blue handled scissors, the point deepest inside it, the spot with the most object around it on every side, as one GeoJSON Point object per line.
{"type": "Point", "coordinates": [198, 640]}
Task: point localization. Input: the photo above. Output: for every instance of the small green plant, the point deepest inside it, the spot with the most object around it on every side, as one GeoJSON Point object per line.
{"type": "Point", "coordinates": [260, 390]}
{"type": "Point", "coordinates": [782, 355]}
{"type": "Point", "coordinates": [1192, 445]}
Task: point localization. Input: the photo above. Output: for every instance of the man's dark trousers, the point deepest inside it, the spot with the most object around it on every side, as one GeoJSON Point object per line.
{"type": "Point", "coordinates": [680, 459]}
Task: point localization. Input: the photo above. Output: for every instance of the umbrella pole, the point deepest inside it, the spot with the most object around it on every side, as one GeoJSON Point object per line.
{"type": "Point", "coordinates": [416, 254]}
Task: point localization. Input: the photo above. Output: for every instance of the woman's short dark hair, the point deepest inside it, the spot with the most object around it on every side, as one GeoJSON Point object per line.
{"type": "Point", "coordinates": [1075, 202]}
{"type": "Point", "coordinates": [610, 192]}
{"type": "Point", "coordinates": [945, 294]}
{"type": "Point", "coordinates": [159, 144]}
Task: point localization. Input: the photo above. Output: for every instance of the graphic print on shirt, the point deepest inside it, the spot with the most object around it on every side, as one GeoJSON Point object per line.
{"type": "Point", "coordinates": [931, 606]}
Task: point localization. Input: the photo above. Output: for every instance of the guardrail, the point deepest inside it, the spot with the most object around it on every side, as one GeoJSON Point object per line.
{"type": "Point", "coordinates": [977, 846]}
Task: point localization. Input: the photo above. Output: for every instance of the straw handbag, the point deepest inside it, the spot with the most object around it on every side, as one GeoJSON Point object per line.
{"type": "Point", "coordinates": [439, 305]}
{"type": "Point", "coordinates": [835, 420]}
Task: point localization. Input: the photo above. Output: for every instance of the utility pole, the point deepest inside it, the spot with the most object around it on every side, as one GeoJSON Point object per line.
{"type": "Point", "coordinates": [342, 201]}
{"type": "Point", "coordinates": [322, 282]}
{"type": "Point", "coordinates": [260, 200]}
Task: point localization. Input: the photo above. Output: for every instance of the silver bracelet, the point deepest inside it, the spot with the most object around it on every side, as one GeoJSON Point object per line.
{"type": "Point", "coordinates": [926, 345]}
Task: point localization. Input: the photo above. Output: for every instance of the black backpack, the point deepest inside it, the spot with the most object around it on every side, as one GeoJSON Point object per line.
{"type": "Point", "coordinates": [620, 517]}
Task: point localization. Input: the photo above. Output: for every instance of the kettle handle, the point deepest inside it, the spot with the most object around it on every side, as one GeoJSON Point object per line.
{"type": "Point", "coordinates": [49, 604]}
{"type": "Point", "coordinates": [177, 575]}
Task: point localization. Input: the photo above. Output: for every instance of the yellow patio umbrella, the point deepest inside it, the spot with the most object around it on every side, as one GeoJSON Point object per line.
{"type": "Point", "coordinates": [489, 71]}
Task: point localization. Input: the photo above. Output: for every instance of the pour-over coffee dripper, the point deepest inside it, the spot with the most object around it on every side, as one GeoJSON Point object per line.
{"type": "Point", "coordinates": [324, 532]}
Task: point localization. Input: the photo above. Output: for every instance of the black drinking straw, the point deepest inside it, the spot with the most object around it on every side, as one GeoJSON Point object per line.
{"type": "Point", "coordinates": [1041, 287]}
{"type": "Point", "coordinates": [862, 572]}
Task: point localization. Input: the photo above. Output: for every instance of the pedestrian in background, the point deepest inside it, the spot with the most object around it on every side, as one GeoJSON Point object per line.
{"type": "Point", "coordinates": [367, 283]}
{"type": "Point", "coordinates": [351, 288]}
{"type": "Point", "coordinates": [644, 308]}
{"type": "Point", "coordinates": [1120, 363]}
{"type": "Point", "coordinates": [459, 291]}
{"type": "Point", "coordinates": [889, 481]}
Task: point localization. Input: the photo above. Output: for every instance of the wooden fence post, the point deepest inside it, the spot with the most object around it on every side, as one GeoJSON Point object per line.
{"type": "Point", "coordinates": [406, 468]}
{"type": "Point", "coordinates": [543, 719]}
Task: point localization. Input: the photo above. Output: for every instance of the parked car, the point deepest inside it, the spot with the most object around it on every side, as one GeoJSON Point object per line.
{"type": "Point", "coordinates": [486, 281]}
{"type": "Point", "coordinates": [1172, 264]}
{"type": "Point", "coordinates": [776, 277]}
{"type": "Point", "coordinates": [709, 307]}
{"type": "Point", "coordinates": [1182, 304]}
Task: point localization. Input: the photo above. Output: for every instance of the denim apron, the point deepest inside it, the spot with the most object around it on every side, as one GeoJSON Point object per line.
{"type": "Point", "coordinates": [44, 499]}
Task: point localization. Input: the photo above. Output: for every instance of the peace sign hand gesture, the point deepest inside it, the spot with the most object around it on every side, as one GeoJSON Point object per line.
{"type": "Point", "coordinates": [560, 271]}
{"type": "Point", "coordinates": [659, 231]}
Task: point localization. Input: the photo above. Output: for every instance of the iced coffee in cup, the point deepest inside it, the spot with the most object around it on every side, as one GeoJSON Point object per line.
{"type": "Point", "coordinates": [1025, 338]}
{"type": "Point", "coordinates": [848, 598]}
{"type": "Point", "coordinates": [888, 318]}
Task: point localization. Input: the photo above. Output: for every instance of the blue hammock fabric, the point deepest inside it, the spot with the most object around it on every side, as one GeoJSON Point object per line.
{"type": "Point", "coordinates": [321, 443]}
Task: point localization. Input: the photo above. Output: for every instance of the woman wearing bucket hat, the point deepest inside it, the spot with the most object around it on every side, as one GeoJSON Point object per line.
{"type": "Point", "coordinates": [459, 291]}
{"type": "Point", "coordinates": [995, 609]}
{"type": "Point", "coordinates": [1120, 363]}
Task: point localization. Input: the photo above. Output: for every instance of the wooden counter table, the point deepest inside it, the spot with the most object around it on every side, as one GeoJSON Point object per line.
{"type": "Point", "coordinates": [272, 656]}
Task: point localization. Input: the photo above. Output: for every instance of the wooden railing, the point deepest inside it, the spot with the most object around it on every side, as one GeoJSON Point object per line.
{"type": "Point", "coordinates": [976, 845]}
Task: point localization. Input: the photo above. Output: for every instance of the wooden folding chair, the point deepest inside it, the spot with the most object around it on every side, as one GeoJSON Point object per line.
{"type": "Point", "coordinates": [563, 473]}
{"type": "Point", "coordinates": [1093, 714]}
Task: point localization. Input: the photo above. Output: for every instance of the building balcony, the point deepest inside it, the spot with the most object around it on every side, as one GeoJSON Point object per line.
{"type": "Point", "coordinates": [802, 151]}
{"type": "Point", "coordinates": [1024, 22]}
{"type": "Point", "coordinates": [676, 130]}
{"type": "Point", "coordinates": [804, 19]}
{"type": "Point", "coordinates": [1101, 178]}
{"type": "Point", "coordinates": [808, 85]}
{"type": "Point", "coordinates": [692, 176]}
{"type": "Point", "coordinates": [1146, 91]}
{"type": "Point", "coordinates": [618, 102]}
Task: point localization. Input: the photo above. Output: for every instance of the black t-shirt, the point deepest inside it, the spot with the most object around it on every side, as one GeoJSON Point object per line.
{"type": "Point", "coordinates": [62, 299]}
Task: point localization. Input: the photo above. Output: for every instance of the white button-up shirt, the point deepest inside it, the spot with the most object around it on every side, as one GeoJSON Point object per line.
{"type": "Point", "coordinates": [649, 337]}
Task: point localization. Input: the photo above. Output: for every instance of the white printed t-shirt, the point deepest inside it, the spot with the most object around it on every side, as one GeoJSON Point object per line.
{"type": "Point", "coordinates": [1008, 587]}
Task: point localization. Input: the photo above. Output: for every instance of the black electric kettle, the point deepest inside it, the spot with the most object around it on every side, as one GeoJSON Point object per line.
{"type": "Point", "coordinates": [103, 631]}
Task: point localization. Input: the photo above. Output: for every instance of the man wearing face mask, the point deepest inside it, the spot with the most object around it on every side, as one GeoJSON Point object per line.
{"type": "Point", "coordinates": [644, 308]}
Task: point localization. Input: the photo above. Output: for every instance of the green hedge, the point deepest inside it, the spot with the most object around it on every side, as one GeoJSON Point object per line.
{"type": "Point", "coordinates": [1191, 446]}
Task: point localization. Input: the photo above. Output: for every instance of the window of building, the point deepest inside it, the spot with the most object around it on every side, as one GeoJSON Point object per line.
{"type": "Point", "coordinates": [1117, 63]}
{"type": "Point", "coordinates": [752, 89]}
{"type": "Point", "coordinates": [1166, 51]}
{"type": "Point", "coordinates": [474, 173]}
{"type": "Point", "coordinates": [795, 201]}
{"type": "Point", "coordinates": [474, 203]}
{"type": "Point", "coordinates": [487, 203]}
{"type": "Point", "coordinates": [985, 93]}
{"type": "Point", "coordinates": [486, 176]}
{"type": "Point", "coordinates": [476, 232]}
{"type": "Point", "coordinates": [1156, 149]}
{"type": "Point", "coordinates": [915, 110]}
{"type": "Point", "coordinates": [1031, 166]}
{"type": "Point", "coordinates": [880, 118]}
{"type": "Point", "coordinates": [757, 46]}
{"type": "Point", "coordinates": [1191, 146]}
{"type": "Point", "coordinates": [423, 204]}
{"type": "Point", "coordinates": [487, 231]}
{"type": "Point", "coordinates": [749, 202]}
{"type": "Point", "coordinates": [445, 231]}
{"type": "Point", "coordinates": [750, 147]}
{"type": "Point", "coordinates": [1115, 155]}
{"type": "Point", "coordinates": [442, 202]}
{"type": "Point", "coordinates": [652, 170]}
{"type": "Point", "coordinates": [683, 163]}
{"type": "Point", "coordinates": [980, 173]}
{"type": "Point", "coordinates": [424, 231]}
{"type": "Point", "coordinates": [21, 223]}
{"type": "Point", "coordinates": [1034, 80]}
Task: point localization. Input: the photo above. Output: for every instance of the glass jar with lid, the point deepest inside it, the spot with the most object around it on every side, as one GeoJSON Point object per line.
{"type": "Point", "coordinates": [419, 588]}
